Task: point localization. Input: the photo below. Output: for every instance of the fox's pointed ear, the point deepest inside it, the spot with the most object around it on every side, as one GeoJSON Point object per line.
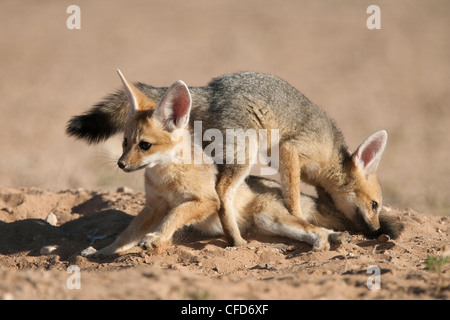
{"type": "Point", "coordinates": [175, 107]}
{"type": "Point", "coordinates": [138, 100]}
{"type": "Point", "coordinates": [368, 155]}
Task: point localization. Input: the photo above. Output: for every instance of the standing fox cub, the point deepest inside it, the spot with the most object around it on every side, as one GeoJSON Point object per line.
{"type": "Point", "coordinates": [311, 147]}
{"type": "Point", "coordinates": [179, 193]}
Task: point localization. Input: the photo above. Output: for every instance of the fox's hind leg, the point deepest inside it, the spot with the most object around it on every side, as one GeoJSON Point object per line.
{"type": "Point", "coordinates": [286, 225]}
{"type": "Point", "coordinates": [230, 177]}
{"type": "Point", "coordinates": [290, 166]}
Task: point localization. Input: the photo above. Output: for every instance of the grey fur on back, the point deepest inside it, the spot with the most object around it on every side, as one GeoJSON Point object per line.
{"type": "Point", "coordinates": [237, 101]}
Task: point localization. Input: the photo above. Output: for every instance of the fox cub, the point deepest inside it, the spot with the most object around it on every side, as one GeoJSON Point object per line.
{"type": "Point", "coordinates": [179, 193]}
{"type": "Point", "coordinates": [311, 147]}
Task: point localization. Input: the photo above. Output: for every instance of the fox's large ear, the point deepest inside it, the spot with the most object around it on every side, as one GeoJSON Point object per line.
{"type": "Point", "coordinates": [138, 100]}
{"type": "Point", "coordinates": [368, 155]}
{"type": "Point", "coordinates": [175, 107]}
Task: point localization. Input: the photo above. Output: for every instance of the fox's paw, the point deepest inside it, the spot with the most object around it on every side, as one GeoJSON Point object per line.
{"type": "Point", "coordinates": [235, 241]}
{"type": "Point", "coordinates": [239, 242]}
{"type": "Point", "coordinates": [153, 242]}
{"type": "Point", "coordinates": [321, 246]}
{"type": "Point", "coordinates": [321, 243]}
{"type": "Point", "coordinates": [340, 237]}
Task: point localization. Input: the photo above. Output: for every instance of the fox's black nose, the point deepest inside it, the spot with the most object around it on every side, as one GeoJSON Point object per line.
{"type": "Point", "coordinates": [121, 164]}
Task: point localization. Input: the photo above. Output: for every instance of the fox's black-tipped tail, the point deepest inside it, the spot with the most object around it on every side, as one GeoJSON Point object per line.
{"type": "Point", "coordinates": [389, 225]}
{"type": "Point", "coordinates": [109, 116]}
{"type": "Point", "coordinates": [105, 119]}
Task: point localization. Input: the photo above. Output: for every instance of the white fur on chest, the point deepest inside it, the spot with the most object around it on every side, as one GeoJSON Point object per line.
{"type": "Point", "coordinates": [167, 184]}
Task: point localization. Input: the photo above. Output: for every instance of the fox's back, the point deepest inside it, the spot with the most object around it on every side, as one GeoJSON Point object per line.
{"type": "Point", "coordinates": [254, 100]}
{"type": "Point", "coordinates": [250, 100]}
{"type": "Point", "coordinates": [235, 101]}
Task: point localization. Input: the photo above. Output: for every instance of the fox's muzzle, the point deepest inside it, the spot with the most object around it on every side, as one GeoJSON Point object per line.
{"type": "Point", "coordinates": [366, 225]}
{"type": "Point", "coordinates": [121, 164]}
{"type": "Point", "coordinates": [128, 167]}
{"type": "Point", "coordinates": [124, 165]}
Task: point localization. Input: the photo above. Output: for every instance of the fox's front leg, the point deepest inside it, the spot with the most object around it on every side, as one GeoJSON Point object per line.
{"type": "Point", "coordinates": [178, 217]}
{"type": "Point", "coordinates": [290, 173]}
{"type": "Point", "coordinates": [143, 223]}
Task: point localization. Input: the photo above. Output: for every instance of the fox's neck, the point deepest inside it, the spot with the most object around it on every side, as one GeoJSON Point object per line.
{"type": "Point", "coordinates": [184, 156]}
{"type": "Point", "coordinates": [332, 176]}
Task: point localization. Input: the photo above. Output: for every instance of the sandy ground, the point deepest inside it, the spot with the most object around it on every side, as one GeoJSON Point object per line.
{"type": "Point", "coordinates": [197, 267]}
{"type": "Point", "coordinates": [396, 78]}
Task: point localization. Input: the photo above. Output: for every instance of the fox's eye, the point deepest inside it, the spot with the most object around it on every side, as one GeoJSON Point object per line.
{"type": "Point", "coordinates": [144, 145]}
{"type": "Point", "coordinates": [125, 142]}
{"type": "Point", "coordinates": [374, 206]}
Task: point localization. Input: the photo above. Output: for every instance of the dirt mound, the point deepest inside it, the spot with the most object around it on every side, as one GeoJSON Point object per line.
{"type": "Point", "coordinates": [41, 260]}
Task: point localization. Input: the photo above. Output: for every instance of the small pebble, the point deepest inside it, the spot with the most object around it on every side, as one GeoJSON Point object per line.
{"type": "Point", "coordinates": [51, 219]}
{"type": "Point", "coordinates": [124, 190]}
{"type": "Point", "coordinates": [88, 251]}
{"type": "Point", "coordinates": [47, 250]}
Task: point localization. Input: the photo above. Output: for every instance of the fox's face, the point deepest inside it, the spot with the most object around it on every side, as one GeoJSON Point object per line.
{"type": "Point", "coordinates": [363, 203]}
{"type": "Point", "coordinates": [145, 144]}
{"type": "Point", "coordinates": [150, 131]}
{"type": "Point", "coordinates": [361, 199]}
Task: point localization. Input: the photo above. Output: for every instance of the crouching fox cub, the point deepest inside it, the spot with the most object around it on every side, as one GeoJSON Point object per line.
{"type": "Point", "coordinates": [179, 193]}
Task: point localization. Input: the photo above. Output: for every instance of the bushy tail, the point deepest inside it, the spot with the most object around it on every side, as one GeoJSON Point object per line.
{"type": "Point", "coordinates": [390, 225]}
{"type": "Point", "coordinates": [107, 117]}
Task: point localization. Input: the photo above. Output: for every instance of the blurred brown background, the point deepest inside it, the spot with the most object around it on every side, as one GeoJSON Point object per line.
{"type": "Point", "coordinates": [396, 78]}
